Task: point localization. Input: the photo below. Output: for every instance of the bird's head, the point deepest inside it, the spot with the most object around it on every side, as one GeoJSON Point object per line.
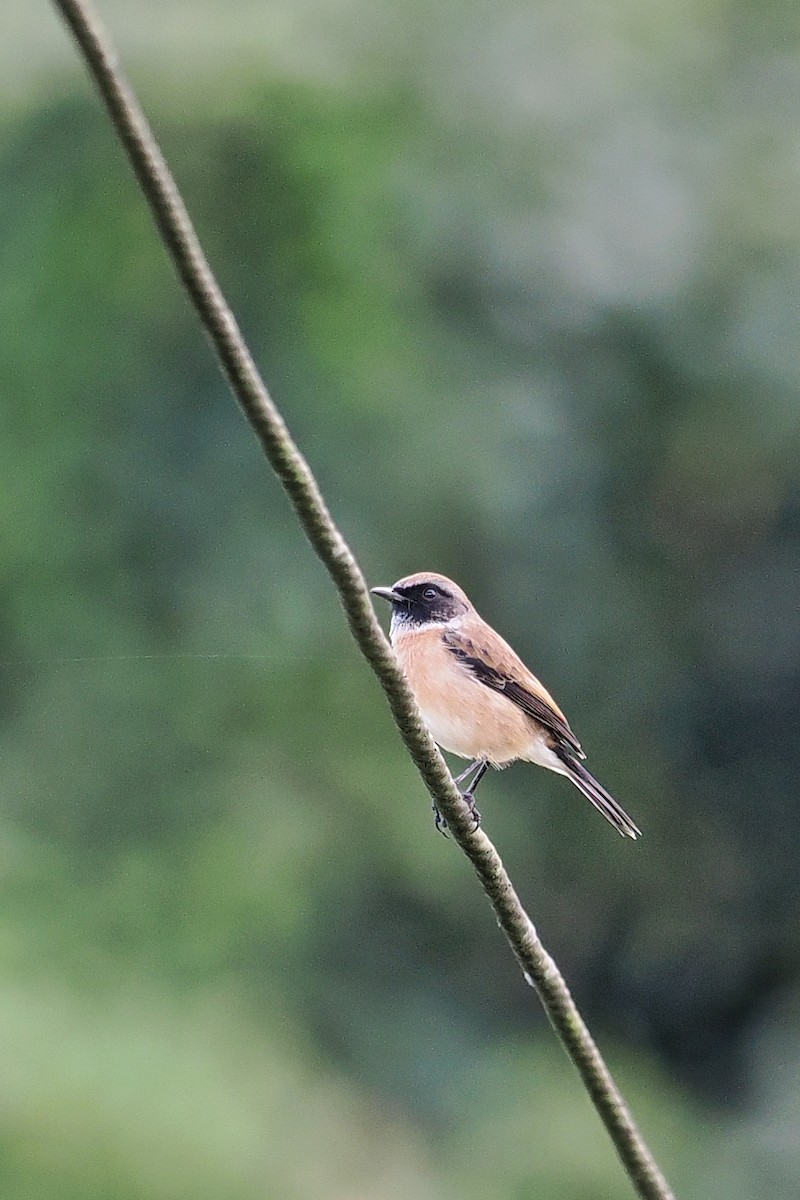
{"type": "Point", "coordinates": [424, 599]}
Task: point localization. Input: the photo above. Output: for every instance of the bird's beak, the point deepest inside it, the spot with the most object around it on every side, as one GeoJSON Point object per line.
{"type": "Point", "coordinates": [388, 594]}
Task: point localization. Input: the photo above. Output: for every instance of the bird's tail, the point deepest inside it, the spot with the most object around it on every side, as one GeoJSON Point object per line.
{"type": "Point", "coordinates": [603, 802]}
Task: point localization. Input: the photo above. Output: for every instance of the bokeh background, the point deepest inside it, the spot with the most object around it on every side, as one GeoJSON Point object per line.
{"type": "Point", "coordinates": [524, 279]}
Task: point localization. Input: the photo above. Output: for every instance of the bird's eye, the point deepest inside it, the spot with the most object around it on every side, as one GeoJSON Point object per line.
{"type": "Point", "coordinates": [430, 593]}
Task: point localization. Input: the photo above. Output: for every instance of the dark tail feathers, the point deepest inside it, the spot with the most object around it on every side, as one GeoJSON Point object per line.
{"type": "Point", "coordinates": [599, 797]}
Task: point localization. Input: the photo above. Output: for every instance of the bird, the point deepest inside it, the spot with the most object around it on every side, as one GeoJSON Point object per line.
{"type": "Point", "coordinates": [477, 697]}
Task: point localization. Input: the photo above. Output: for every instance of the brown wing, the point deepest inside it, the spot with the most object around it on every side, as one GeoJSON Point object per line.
{"type": "Point", "coordinates": [500, 668]}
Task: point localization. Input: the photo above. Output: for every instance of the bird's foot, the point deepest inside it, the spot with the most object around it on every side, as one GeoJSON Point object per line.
{"type": "Point", "coordinates": [476, 816]}
{"type": "Point", "coordinates": [439, 821]}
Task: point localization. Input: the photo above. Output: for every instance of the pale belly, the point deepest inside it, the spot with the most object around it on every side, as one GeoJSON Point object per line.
{"type": "Point", "coordinates": [464, 716]}
{"type": "Point", "coordinates": [453, 731]}
{"type": "Point", "coordinates": [507, 742]}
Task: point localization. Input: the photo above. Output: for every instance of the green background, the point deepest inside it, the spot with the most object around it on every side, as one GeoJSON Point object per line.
{"type": "Point", "coordinates": [524, 280]}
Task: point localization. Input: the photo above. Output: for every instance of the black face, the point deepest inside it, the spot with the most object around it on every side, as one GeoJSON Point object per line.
{"type": "Point", "coordinates": [420, 603]}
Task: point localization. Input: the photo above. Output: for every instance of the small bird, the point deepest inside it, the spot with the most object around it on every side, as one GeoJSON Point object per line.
{"type": "Point", "coordinates": [477, 697]}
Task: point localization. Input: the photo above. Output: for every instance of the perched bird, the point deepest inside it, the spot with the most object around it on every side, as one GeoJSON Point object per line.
{"type": "Point", "coordinates": [476, 695]}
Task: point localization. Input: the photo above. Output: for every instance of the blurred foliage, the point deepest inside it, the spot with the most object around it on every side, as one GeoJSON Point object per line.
{"type": "Point", "coordinates": [526, 292]}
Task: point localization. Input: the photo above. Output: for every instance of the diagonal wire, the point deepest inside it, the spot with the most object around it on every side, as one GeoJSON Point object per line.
{"type": "Point", "coordinates": [182, 244]}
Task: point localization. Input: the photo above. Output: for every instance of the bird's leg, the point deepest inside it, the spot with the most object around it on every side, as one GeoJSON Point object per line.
{"type": "Point", "coordinates": [469, 794]}
{"type": "Point", "coordinates": [438, 819]}
{"type": "Point", "coordinates": [479, 766]}
{"type": "Point", "coordinates": [460, 778]}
